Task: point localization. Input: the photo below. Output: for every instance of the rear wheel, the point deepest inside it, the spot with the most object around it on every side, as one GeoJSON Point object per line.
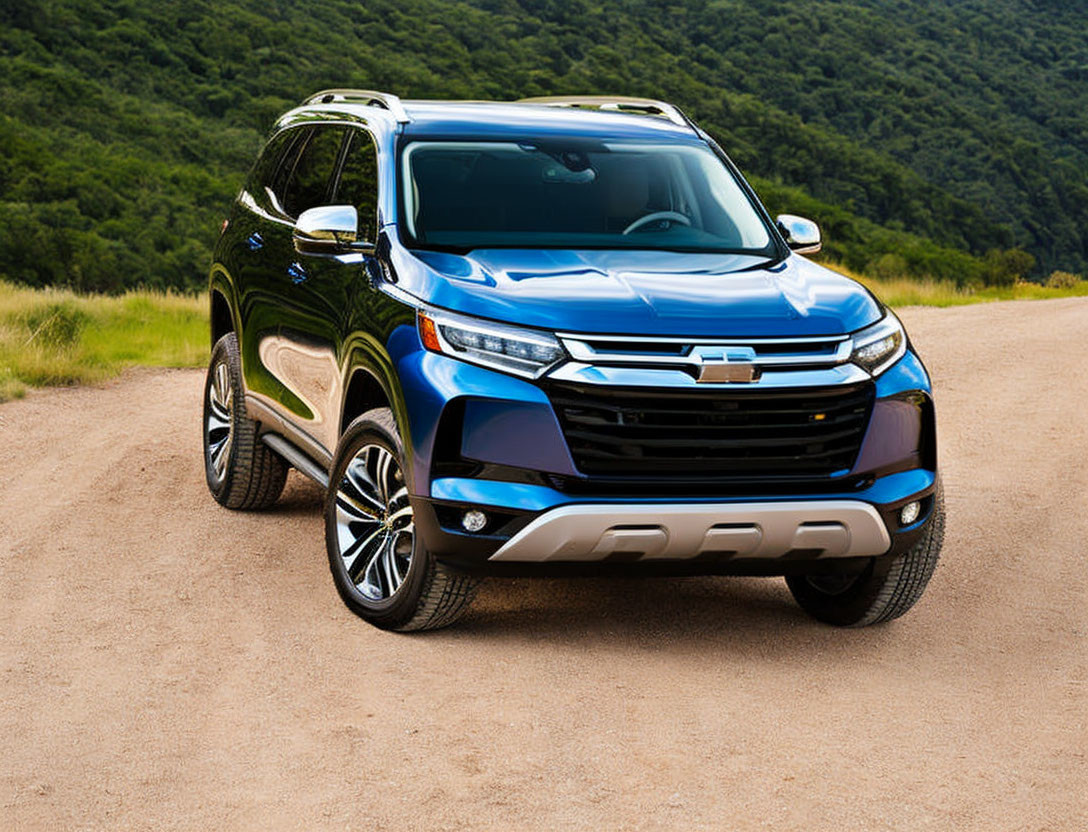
{"type": "Point", "coordinates": [241, 471]}
{"type": "Point", "coordinates": [382, 570]}
{"type": "Point", "coordinates": [884, 590]}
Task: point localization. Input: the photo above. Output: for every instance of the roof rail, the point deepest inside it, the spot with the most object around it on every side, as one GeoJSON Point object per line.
{"type": "Point", "coordinates": [372, 98]}
{"type": "Point", "coordinates": [614, 103]}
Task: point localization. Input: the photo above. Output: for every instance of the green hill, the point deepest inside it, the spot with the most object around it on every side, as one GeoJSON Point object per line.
{"type": "Point", "coordinates": [926, 137]}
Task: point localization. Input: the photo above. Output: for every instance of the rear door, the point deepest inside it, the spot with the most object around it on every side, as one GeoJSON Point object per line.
{"type": "Point", "coordinates": [259, 230]}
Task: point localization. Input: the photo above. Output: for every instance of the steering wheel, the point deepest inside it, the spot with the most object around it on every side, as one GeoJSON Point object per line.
{"type": "Point", "coordinates": [672, 216]}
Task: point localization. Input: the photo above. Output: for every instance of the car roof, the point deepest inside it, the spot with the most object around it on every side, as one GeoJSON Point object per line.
{"type": "Point", "coordinates": [489, 119]}
{"type": "Point", "coordinates": [496, 120]}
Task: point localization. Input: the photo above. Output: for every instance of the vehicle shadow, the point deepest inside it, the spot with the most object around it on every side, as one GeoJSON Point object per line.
{"type": "Point", "coordinates": [693, 614]}
{"type": "Point", "coordinates": [738, 614]}
{"type": "Point", "coordinates": [302, 497]}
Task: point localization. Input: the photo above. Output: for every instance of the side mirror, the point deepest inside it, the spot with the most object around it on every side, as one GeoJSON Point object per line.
{"type": "Point", "coordinates": [328, 229]}
{"type": "Point", "coordinates": [802, 236]}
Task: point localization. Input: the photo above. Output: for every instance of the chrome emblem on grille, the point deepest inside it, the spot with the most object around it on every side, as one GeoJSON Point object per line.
{"type": "Point", "coordinates": [726, 365]}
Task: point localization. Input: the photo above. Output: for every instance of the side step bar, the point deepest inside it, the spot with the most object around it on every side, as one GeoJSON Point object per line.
{"type": "Point", "coordinates": [296, 458]}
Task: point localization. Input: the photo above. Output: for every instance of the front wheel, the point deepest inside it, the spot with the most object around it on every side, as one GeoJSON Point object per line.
{"type": "Point", "coordinates": [382, 570]}
{"type": "Point", "coordinates": [885, 589]}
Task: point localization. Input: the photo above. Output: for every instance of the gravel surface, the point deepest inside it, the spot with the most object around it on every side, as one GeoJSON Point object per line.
{"type": "Point", "coordinates": [169, 664]}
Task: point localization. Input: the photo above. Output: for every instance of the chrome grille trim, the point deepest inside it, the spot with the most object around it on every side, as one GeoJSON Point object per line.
{"type": "Point", "coordinates": [676, 375]}
{"type": "Point", "coordinates": [647, 361]}
{"type": "Point", "coordinates": [664, 339]}
{"type": "Point", "coordinates": [833, 352]}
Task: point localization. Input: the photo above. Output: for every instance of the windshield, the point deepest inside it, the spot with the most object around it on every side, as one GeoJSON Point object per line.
{"type": "Point", "coordinates": [576, 194]}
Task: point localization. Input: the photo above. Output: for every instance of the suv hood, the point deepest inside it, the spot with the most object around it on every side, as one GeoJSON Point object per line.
{"type": "Point", "coordinates": [642, 292]}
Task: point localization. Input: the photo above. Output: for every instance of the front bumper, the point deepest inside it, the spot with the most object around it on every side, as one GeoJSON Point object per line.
{"type": "Point", "coordinates": [536, 530]}
{"type": "Point", "coordinates": [546, 517]}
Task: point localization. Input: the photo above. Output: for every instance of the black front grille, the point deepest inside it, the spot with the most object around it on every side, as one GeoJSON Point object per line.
{"type": "Point", "coordinates": [712, 435]}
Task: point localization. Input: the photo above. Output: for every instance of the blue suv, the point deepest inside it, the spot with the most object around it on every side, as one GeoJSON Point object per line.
{"type": "Point", "coordinates": [558, 336]}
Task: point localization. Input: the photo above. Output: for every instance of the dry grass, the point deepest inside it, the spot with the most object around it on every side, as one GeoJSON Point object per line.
{"type": "Point", "coordinates": [905, 291]}
{"type": "Point", "coordinates": [56, 337]}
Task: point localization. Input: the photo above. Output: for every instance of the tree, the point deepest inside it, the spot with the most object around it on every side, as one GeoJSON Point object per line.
{"type": "Point", "coordinates": [1005, 268]}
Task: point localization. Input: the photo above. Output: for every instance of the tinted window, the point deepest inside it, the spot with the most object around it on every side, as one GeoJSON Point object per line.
{"type": "Point", "coordinates": [557, 193]}
{"type": "Point", "coordinates": [358, 184]}
{"type": "Point", "coordinates": [267, 173]}
{"type": "Point", "coordinates": [294, 141]}
{"type": "Point", "coordinates": [309, 181]}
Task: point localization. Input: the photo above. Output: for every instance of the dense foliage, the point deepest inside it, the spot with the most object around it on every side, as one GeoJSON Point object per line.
{"type": "Point", "coordinates": [927, 138]}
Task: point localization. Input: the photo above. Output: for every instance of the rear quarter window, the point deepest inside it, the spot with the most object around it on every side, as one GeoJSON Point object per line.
{"type": "Point", "coordinates": [269, 174]}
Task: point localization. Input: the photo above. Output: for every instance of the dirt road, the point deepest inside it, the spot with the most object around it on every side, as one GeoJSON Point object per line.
{"type": "Point", "coordinates": [165, 663]}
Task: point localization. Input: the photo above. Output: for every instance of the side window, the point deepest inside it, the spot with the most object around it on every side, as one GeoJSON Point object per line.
{"type": "Point", "coordinates": [294, 141]}
{"type": "Point", "coordinates": [358, 183]}
{"type": "Point", "coordinates": [261, 184]}
{"type": "Point", "coordinates": [308, 184]}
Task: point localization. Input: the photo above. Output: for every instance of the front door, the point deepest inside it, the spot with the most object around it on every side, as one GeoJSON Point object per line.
{"type": "Point", "coordinates": [325, 290]}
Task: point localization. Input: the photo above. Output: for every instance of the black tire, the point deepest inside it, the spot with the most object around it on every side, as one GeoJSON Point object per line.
{"type": "Point", "coordinates": [884, 590]}
{"type": "Point", "coordinates": [429, 595]}
{"type": "Point", "coordinates": [244, 473]}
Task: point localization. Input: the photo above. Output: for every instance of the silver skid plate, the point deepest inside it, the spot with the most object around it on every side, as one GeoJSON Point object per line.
{"type": "Point", "coordinates": [821, 528]}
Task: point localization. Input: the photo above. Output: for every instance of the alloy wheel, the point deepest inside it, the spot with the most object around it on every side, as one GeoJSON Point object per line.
{"type": "Point", "coordinates": [374, 527]}
{"type": "Point", "coordinates": [219, 426]}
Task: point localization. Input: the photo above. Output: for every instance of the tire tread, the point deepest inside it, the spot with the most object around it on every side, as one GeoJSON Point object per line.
{"type": "Point", "coordinates": [909, 574]}
{"type": "Point", "coordinates": [255, 474]}
{"type": "Point", "coordinates": [884, 592]}
{"type": "Point", "coordinates": [446, 596]}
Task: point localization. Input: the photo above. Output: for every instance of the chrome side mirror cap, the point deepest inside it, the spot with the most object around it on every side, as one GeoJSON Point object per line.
{"type": "Point", "coordinates": [328, 229]}
{"type": "Point", "coordinates": [802, 236]}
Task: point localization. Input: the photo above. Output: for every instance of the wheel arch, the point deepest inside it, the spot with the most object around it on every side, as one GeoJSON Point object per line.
{"type": "Point", "coordinates": [222, 318]}
{"type": "Point", "coordinates": [364, 391]}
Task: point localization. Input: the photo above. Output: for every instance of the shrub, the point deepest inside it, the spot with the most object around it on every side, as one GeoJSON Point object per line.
{"type": "Point", "coordinates": [1062, 280]}
{"type": "Point", "coordinates": [887, 267]}
{"type": "Point", "coordinates": [1006, 267]}
{"type": "Point", "coordinates": [55, 325]}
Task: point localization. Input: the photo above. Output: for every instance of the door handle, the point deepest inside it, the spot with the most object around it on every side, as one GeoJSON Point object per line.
{"type": "Point", "coordinates": [296, 273]}
{"type": "Point", "coordinates": [255, 241]}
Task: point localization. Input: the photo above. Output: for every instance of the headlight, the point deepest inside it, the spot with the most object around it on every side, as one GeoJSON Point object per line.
{"type": "Point", "coordinates": [879, 346]}
{"type": "Point", "coordinates": [524, 352]}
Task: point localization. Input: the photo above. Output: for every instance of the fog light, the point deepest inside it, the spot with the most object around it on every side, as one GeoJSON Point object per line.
{"type": "Point", "coordinates": [473, 521]}
{"type": "Point", "coordinates": [909, 513]}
